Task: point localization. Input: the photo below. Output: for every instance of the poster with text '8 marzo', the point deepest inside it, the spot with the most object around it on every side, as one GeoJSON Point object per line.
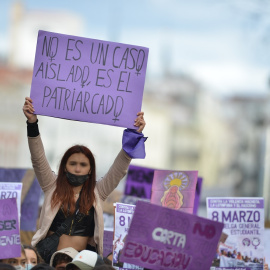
{"type": "Point", "coordinates": [87, 79]}
{"type": "Point", "coordinates": [122, 217]}
{"type": "Point", "coordinates": [243, 220]}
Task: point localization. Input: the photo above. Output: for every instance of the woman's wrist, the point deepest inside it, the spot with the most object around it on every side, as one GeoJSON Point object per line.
{"type": "Point", "coordinates": [31, 122]}
{"type": "Point", "coordinates": [32, 129]}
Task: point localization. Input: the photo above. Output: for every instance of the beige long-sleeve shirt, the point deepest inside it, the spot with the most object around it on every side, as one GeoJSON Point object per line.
{"type": "Point", "coordinates": [47, 181]}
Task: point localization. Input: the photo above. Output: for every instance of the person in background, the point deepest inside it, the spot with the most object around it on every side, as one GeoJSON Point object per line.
{"type": "Point", "coordinates": [107, 260]}
{"type": "Point", "coordinates": [18, 263]}
{"type": "Point", "coordinates": [104, 267]}
{"type": "Point", "coordinates": [72, 214]}
{"type": "Point", "coordinates": [5, 266]}
{"type": "Point", "coordinates": [85, 260]}
{"type": "Point", "coordinates": [239, 256]}
{"type": "Point", "coordinates": [42, 266]}
{"type": "Point", "coordinates": [234, 254]}
{"type": "Point", "coordinates": [62, 257]}
{"type": "Point", "coordinates": [265, 266]}
{"type": "Point", "coordinates": [32, 256]}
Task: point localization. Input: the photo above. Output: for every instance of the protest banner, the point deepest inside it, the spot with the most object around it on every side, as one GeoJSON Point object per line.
{"type": "Point", "coordinates": [12, 190]}
{"type": "Point", "coordinates": [174, 189]}
{"type": "Point", "coordinates": [138, 183]}
{"type": "Point", "coordinates": [163, 238]}
{"type": "Point", "coordinates": [122, 218]}
{"type": "Point", "coordinates": [30, 195]}
{"type": "Point", "coordinates": [88, 80]}
{"type": "Point", "coordinates": [107, 242]}
{"type": "Point", "coordinates": [10, 243]}
{"type": "Point", "coordinates": [197, 195]}
{"type": "Point", "coordinates": [243, 220]}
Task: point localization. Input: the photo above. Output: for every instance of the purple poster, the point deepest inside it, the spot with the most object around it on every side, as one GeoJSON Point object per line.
{"type": "Point", "coordinates": [197, 195]}
{"type": "Point", "coordinates": [10, 243]}
{"type": "Point", "coordinates": [162, 238]}
{"type": "Point", "coordinates": [122, 217]}
{"type": "Point", "coordinates": [174, 189]}
{"type": "Point", "coordinates": [31, 192]}
{"type": "Point", "coordinates": [107, 243]}
{"type": "Point", "coordinates": [243, 220]}
{"type": "Point", "coordinates": [139, 182]}
{"type": "Point", "coordinates": [88, 80]}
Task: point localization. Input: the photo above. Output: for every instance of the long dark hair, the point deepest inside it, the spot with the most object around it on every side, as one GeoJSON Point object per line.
{"type": "Point", "coordinates": [64, 194]}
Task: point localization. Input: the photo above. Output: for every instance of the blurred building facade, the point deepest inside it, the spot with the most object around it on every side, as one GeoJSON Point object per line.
{"type": "Point", "coordinates": [222, 138]}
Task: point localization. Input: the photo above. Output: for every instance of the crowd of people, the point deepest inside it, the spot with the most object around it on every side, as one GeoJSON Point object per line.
{"type": "Point", "coordinates": [71, 229]}
{"type": "Point", "coordinates": [67, 258]}
{"type": "Point", "coordinates": [237, 255]}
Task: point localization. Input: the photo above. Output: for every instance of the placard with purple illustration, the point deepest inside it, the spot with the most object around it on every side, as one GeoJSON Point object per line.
{"type": "Point", "coordinates": [122, 218]}
{"type": "Point", "coordinates": [10, 243]}
{"type": "Point", "coordinates": [87, 79]}
{"type": "Point", "coordinates": [163, 238]}
{"type": "Point", "coordinates": [174, 189]}
{"type": "Point", "coordinates": [243, 220]}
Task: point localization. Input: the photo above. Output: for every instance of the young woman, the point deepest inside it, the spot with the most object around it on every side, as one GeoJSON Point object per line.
{"type": "Point", "coordinates": [76, 180]}
{"type": "Point", "coordinates": [32, 256]}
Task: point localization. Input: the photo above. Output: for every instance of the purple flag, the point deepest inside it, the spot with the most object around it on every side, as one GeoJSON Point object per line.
{"type": "Point", "coordinates": [88, 80]}
{"type": "Point", "coordinates": [10, 243]}
{"type": "Point", "coordinates": [163, 238]}
{"type": "Point", "coordinates": [174, 189]}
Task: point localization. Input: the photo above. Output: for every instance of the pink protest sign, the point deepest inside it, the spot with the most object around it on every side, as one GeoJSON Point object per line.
{"type": "Point", "coordinates": [174, 189]}
{"type": "Point", "coordinates": [10, 243]}
{"type": "Point", "coordinates": [163, 238]}
{"type": "Point", "coordinates": [87, 79]}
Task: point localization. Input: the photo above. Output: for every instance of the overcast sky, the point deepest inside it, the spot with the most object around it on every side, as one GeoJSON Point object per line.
{"type": "Point", "coordinates": [222, 44]}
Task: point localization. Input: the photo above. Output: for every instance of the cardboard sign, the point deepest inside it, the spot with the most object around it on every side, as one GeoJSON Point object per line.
{"type": "Point", "coordinates": [122, 218]}
{"type": "Point", "coordinates": [10, 243]}
{"type": "Point", "coordinates": [243, 220]}
{"type": "Point", "coordinates": [197, 195]}
{"type": "Point", "coordinates": [174, 189]}
{"type": "Point", "coordinates": [139, 182]}
{"type": "Point", "coordinates": [88, 80]}
{"type": "Point", "coordinates": [11, 190]}
{"type": "Point", "coordinates": [30, 195]}
{"type": "Point", "coordinates": [163, 238]}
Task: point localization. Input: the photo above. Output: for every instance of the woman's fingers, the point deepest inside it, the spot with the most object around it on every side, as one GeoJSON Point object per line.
{"type": "Point", "coordinates": [28, 110]}
{"type": "Point", "coordinates": [28, 105]}
{"type": "Point", "coordinates": [139, 121]}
